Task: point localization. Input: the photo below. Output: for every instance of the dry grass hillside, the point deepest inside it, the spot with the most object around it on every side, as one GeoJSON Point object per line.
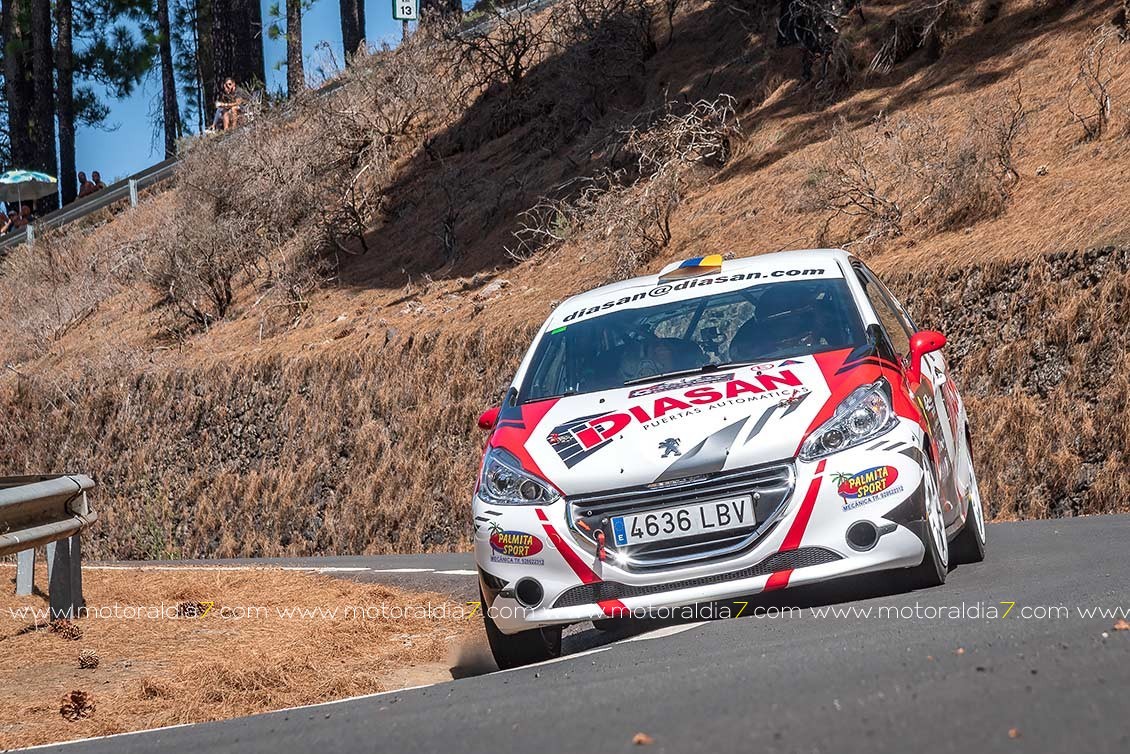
{"type": "Point", "coordinates": [285, 353]}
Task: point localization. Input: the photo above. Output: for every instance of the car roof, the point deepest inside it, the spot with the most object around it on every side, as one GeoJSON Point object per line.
{"type": "Point", "coordinates": [779, 260]}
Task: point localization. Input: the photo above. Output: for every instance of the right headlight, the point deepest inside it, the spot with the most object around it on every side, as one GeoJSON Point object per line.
{"type": "Point", "coordinates": [865, 414]}
{"type": "Point", "coordinates": [505, 482]}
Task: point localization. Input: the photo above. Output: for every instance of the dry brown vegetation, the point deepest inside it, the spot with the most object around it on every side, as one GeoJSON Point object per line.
{"type": "Point", "coordinates": [166, 664]}
{"type": "Point", "coordinates": [372, 263]}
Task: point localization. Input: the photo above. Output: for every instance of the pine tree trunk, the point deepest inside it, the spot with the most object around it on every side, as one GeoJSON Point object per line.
{"type": "Point", "coordinates": [64, 95]}
{"type": "Point", "coordinates": [206, 56]}
{"type": "Point", "coordinates": [295, 77]}
{"type": "Point", "coordinates": [352, 26]}
{"type": "Point", "coordinates": [237, 41]}
{"type": "Point", "coordinates": [43, 111]}
{"type": "Point", "coordinates": [17, 82]}
{"type": "Point", "coordinates": [170, 109]}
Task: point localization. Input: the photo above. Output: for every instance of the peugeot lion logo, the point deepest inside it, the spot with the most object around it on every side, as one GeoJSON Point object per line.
{"type": "Point", "coordinates": [670, 447]}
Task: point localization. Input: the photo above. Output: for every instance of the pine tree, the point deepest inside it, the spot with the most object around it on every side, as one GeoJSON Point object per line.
{"type": "Point", "coordinates": [65, 97]}
{"type": "Point", "coordinates": [170, 110]}
{"type": "Point", "coordinates": [237, 42]}
{"type": "Point", "coordinates": [18, 89]}
{"type": "Point", "coordinates": [352, 26]}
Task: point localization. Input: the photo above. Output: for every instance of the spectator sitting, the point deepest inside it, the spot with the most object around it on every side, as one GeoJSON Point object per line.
{"type": "Point", "coordinates": [9, 222]}
{"type": "Point", "coordinates": [23, 218]}
{"type": "Point", "coordinates": [96, 178]}
{"type": "Point", "coordinates": [85, 187]}
{"type": "Point", "coordinates": [232, 98]}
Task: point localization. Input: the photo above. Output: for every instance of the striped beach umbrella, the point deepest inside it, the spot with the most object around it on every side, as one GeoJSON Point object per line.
{"type": "Point", "coordinates": [25, 185]}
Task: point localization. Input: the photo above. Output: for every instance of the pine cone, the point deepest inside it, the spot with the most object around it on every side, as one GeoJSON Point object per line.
{"type": "Point", "coordinates": [88, 659]}
{"type": "Point", "coordinates": [77, 705]}
{"type": "Point", "coordinates": [66, 629]}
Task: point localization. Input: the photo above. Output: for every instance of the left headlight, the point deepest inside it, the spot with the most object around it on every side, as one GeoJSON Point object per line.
{"type": "Point", "coordinates": [865, 414]}
{"type": "Point", "coordinates": [505, 482]}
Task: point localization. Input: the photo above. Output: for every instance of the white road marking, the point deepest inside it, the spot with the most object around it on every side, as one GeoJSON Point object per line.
{"type": "Point", "coordinates": [266, 567]}
{"type": "Point", "coordinates": [401, 570]}
{"type": "Point", "coordinates": [659, 633]}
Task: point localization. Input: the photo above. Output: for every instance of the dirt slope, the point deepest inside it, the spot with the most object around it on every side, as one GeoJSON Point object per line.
{"type": "Point", "coordinates": [352, 430]}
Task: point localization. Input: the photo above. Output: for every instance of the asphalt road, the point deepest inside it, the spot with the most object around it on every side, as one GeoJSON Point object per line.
{"type": "Point", "coordinates": [790, 684]}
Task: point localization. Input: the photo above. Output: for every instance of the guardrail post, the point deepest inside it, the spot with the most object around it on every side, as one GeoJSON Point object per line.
{"type": "Point", "coordinates": [65, 591]}
{"type": "Point", "coordinates": [132, 192]}
{"type": "Point", "coordinates": [50, 547]}
{"type": "Point", "coordinates": [25, 572]}
{"type": "Point", "coordinates": [30, 234]}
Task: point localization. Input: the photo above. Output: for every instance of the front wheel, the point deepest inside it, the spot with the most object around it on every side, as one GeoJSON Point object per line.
{"type": "Point", "coordinates": [935, 563]}
{"type": "Point", "coordinates": [522, 648]}
{"type": "Point", "coordinates": [969, 545]}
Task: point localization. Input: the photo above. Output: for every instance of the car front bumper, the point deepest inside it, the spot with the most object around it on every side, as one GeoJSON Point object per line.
{"type": "Point", "coordinates": [807, 544]}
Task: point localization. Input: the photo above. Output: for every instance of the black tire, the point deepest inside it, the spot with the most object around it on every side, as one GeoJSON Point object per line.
{"type": "Point", "coordinates": [522, 648]}
{"type": "Point", "coordinates": [935, 563]}
{"type": "Point", "coordinates": [969, 545]}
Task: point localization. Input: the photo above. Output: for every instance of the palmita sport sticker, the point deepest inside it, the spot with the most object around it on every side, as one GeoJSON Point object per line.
{"type": "Point", "coordinates": [510, 546]}
{"type": "Point", "coordinates": [867, 486]}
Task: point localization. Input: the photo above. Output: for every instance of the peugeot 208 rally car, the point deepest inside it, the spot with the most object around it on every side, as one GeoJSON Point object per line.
{"type": "Point", "coordinates": [720, 429]}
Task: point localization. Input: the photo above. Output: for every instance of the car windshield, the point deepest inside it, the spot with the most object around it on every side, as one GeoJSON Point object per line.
{"type": "Point", "coordinates": [759, 323]}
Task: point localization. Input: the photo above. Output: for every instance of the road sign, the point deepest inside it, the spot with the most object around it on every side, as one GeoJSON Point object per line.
{"type": "Point", "coordinates": [406, 10]}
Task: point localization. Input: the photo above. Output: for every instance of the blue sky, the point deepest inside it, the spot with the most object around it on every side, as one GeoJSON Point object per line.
{"type": "Point", "coordinates": [131, 146]}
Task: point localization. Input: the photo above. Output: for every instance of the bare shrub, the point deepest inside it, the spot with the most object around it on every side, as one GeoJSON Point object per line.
{"type": "Point", "coordinates": [700, 134]}
{"type": "Point", "coordinates": [503, 55]}
{"type": "Point", "coordinates": [598, 53]}
{"type": "Point", "coordinates": [848, 183]}
{"type": "Point", "coordinates": [270, 205]}
{"type": "Point", "coordinates": [909, 172]}
{"type": "Point", "coordinates": [921, 25]}
{"type": "Point", "coordinates": [628, 210]}
{"type": "Point", "coordinates": [817, 26]}
{"type": "Point", "coordinates": [1089, 99]}
{"type": "Point", "coordinates": [52, 286]}
{"type": "Point", "coordinates": [197, 266]}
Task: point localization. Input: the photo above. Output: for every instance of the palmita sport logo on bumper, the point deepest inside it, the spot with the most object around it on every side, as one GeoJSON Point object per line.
{"type": "Point", "coordinates": [867, 486]}
{"type": "Point", "coordinates": [510, 546]}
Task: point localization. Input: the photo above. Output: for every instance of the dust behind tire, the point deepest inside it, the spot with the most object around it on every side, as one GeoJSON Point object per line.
{"type": "Point", "coordinates": [522, 648]}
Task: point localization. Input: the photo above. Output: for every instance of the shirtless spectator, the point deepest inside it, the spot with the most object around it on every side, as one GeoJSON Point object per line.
{"type": "Point", "coordinates": [232, 98]}
{"type": "Point", "coordinates": [85, 187]}
{"type": "Point", "coordinates": [96, 178]}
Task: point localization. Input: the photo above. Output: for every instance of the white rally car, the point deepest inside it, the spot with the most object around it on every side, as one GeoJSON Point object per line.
{"type": "Point", "coordinates": [720, 429]}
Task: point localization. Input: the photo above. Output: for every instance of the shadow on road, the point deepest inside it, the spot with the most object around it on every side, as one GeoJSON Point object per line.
{"type": "Point", "coordinates": [474, 658]}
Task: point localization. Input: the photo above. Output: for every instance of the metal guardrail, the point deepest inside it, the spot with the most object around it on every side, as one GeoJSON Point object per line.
{"type": "Point", "coordinates": [116, 192]}
{"type": "Point", "coordinates": [50, 511]}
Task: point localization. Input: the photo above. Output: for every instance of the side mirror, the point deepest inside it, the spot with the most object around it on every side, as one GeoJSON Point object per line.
{"type": "Point", "coordinates": [922, 343]}
{"type": "Point", "coordinates": [489, 418]}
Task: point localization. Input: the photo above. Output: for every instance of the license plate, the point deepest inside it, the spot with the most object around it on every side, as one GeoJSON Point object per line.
{"type": "Point", "coordinates": [684, 521]}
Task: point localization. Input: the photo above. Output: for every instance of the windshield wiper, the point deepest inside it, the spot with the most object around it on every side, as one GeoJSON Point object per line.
{"type": "Point", "coordinates": [704, 369]}
{"type": "Point", "coordinates": [567, 394]}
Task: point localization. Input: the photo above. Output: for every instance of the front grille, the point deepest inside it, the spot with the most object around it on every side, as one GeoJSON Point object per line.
{"type": "Point", "coordinates": [769, 486]}
{"type": "Point", "coordinates": [590, 594]}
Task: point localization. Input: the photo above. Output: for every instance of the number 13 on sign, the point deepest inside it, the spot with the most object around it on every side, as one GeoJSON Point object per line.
{"type": "Point", "coordinates": [406, 10]}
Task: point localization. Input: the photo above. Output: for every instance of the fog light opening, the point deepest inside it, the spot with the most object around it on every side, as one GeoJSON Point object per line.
{"type": "Point", "coordinates": [862, 536]}
{"type": "Point", "coordinates": [528, 592]}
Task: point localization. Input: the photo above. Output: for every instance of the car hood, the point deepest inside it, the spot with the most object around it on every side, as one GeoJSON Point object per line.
{"type": "Point", "coordinates": [680, 427]}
